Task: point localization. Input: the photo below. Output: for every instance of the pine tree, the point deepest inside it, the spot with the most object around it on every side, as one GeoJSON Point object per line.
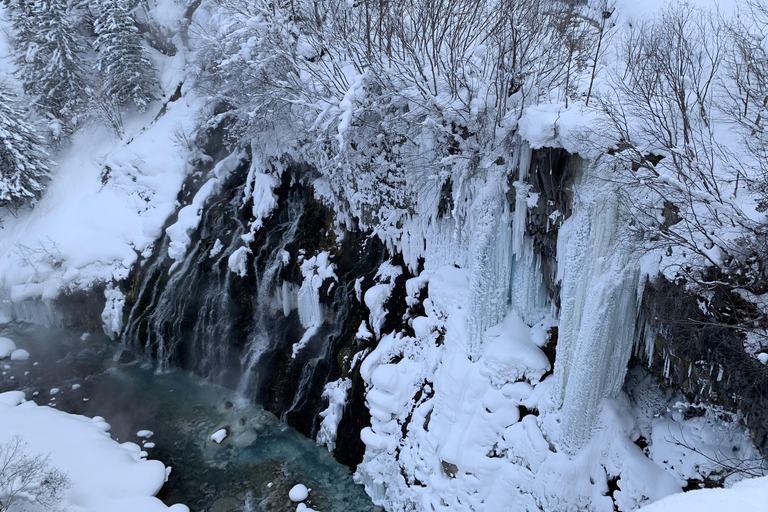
{"type": "Point", "coordinates": [129, 74]}
{"type": "Point", "coordinates": [23, 162]}
{"type": "Point", "coordinates": [49, 58]}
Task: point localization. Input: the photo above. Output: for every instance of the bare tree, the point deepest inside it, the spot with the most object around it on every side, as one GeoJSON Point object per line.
{"type": "Point", "coordinates": [28, 477]}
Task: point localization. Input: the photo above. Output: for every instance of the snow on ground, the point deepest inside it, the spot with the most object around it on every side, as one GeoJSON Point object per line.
{"type": "Point", "coordinates": [105, 476]}
{"type": "Point", "coordinates": [104, 205]}
{"type": "Point", "coordinates": [747, 495]}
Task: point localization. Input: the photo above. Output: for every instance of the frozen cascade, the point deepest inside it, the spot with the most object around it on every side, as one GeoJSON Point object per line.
{"type": "Point", "coordinates": [490, 261]}
{"type": "Point", "coordinates": [524, 155]}
{"type": "Point", "coordinates": [169, 308]}
{"type": "Point", "coordinates": [599, 306]}
{"type": "Point", "coordinates": [528, 296]}
{"type": "Point", "coordinates": [190, 318]}
{"type": "Point", "coordinates": [33, 311]}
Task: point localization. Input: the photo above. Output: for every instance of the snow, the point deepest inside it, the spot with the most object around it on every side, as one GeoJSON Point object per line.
{"type": "Point", "coordinates": [336, 392]}
{"type": "Point", "coordinates": [19, 355]}
{"type": "Point", "coordinates": [238, 261]}
{"type": "Point", "coordinates": [106, 476]}
{"type": "Point", "coordinates": [749, 494]}
{"type": "Point", "coordinates": [219, 436]}
{"type": "Point", "coordinates": [189, 216]}
{"type": "Point", "coordinates": [510, 353]}
{"type": "Point", "coordinates": [376, 296]}
{"type": "Point", "coordinates": [298, 492]}
{"type": "Point", "coordinates": [7, 346]}
{"type": "Point", "coordinates": [145, 433]}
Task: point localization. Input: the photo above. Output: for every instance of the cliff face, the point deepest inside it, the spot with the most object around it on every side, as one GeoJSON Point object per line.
{"type": "Point", "coordinates": [331, 329]}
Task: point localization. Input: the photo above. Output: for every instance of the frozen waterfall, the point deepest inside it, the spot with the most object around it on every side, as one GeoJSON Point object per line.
{"type": "Point", "coordinates": [599, 304]}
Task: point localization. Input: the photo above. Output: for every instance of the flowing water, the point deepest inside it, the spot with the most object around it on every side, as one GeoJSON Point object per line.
{"type": "Point", "coordinates": [251, 470]}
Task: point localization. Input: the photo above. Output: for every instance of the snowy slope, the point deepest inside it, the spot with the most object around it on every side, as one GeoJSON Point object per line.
{"type": "Point", "coordinates": [107, 200]}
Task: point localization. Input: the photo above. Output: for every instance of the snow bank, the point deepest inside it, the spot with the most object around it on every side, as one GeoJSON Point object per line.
{"type": "Point", "coordinates": [106, 203]}
{"type": "Point", "coordinates": [106, 476]}
{"type": "Point", "coordinates": [751, 494]}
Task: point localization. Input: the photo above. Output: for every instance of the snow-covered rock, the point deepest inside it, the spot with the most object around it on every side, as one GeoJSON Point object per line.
{"type": "Point", "coordinates": [19, 355]}
{"type": "Point", "coordinates": [298, 492]}
{"type": "Point", "coordinates": [219, 436]}
{"type": "Point", "coordinates": [7, 346]}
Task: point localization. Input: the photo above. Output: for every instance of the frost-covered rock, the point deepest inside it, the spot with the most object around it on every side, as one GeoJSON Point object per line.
{"type": "Point", "coordinates": [238, 261]}
{"type": "Point", "coordinates": [219, 436]}
{"type": "Point", "coordinates": [377, 295]}
{"type": "Point", "coordinates": [315, 270]}
{"type": "Point", "coordinates": [189, 216]}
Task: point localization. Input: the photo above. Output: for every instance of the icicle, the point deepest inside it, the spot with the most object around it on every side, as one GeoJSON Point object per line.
{"type": "Point", "coordinates": [650, 343]}
{"type": "Point", "coordinates": [528, 296]}
{"type": "Point", "coordinates": [521, 198]}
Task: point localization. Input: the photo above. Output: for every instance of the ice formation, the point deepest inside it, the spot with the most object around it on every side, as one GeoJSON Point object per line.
{"type": "Point", "coordinates": [599, 300]}
{"type": "Point", "coordinates": [336, 392]}
{"type": "Point", "coordinates": [315, 270]}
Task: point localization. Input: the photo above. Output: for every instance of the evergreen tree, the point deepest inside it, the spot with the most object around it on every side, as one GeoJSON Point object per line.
{"type": "Point", "coordinates": [49, 57]}
{"type": "Point", "coordinates": [129, 74]}
{"type": "Point", "coordinates": [23, 162]}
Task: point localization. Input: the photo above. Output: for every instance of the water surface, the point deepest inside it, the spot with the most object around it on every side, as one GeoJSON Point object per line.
{"type": "Point", "coordinates": [251, 470]}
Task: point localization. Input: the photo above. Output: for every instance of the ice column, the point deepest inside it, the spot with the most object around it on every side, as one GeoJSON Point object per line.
{"type": "Point", "coordinates": [599, 304]}
{"type": "Point", "coordinates": [490, 261]}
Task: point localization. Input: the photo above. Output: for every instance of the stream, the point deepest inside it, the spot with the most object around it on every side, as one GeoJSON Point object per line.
{"type": "Point", "coordinates": [251, 470]}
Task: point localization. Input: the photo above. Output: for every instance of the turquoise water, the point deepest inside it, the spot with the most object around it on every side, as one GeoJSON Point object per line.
{"type": "Point", "coordinates": [251, 470]}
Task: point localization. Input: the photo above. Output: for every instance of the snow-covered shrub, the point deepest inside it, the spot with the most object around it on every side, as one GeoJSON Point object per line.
{"type": "Point", "coordinates": [28, 477]}
{"type": "Point", "coordinates": [395, 102]}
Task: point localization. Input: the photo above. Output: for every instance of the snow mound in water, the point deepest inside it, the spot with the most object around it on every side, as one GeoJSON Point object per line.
{"type": "Point", "coordinates": [19, 355]}
{"type": "Point", "coordinates": [106, 476]}
{"type": "Point", "coordinates": [7, 346]}
{"type": "Point", "coordinates": [298, 492]}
